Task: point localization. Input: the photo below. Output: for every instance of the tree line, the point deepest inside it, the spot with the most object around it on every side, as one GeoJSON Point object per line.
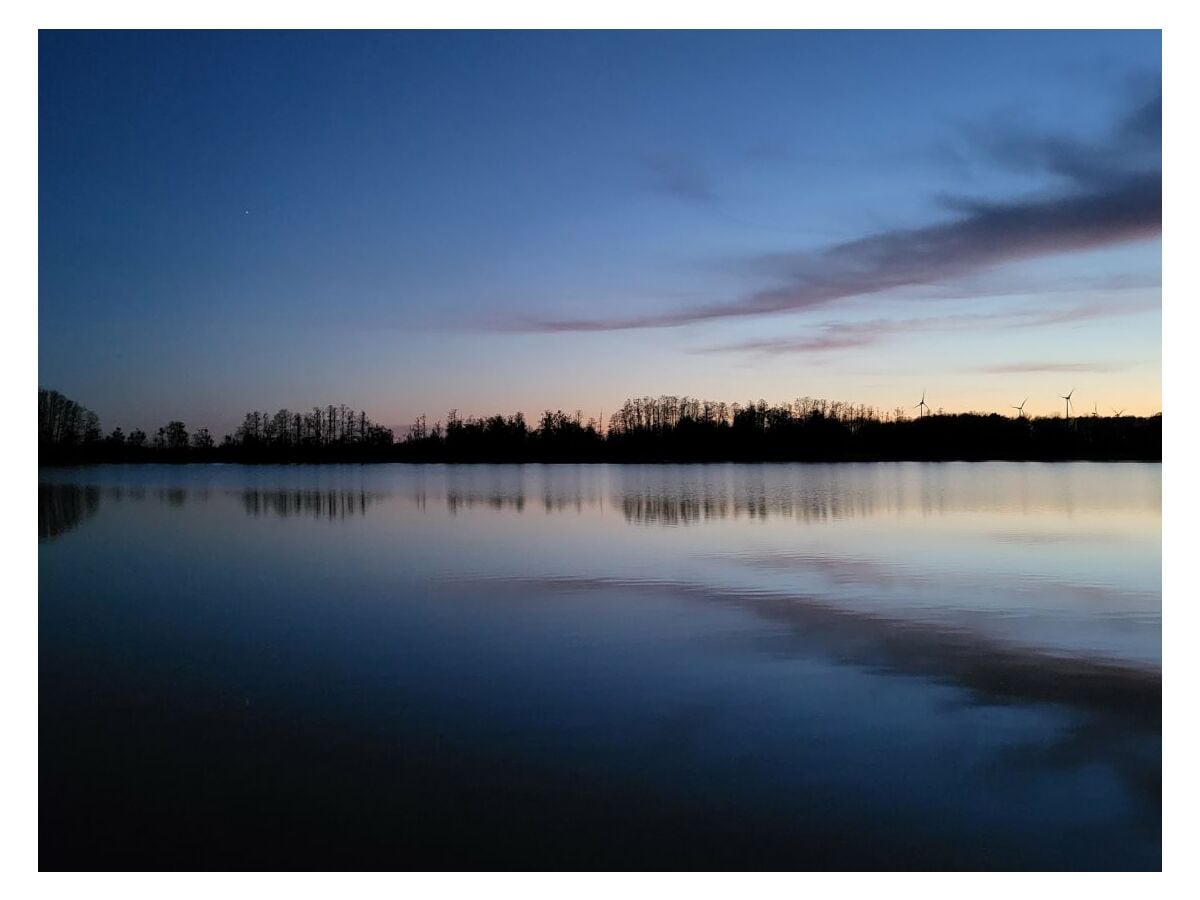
{"type": "Point", "coordinates": [69, 432]}
{"type": "Point", "coordinates": [646, 429]}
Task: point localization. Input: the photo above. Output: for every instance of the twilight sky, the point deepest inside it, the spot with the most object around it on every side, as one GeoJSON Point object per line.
{"type": "Point", "coordinates": [409, 222]}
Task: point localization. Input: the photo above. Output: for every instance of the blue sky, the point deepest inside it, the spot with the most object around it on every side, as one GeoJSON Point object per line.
{"type": "Point", "coordinates": [413, 222]}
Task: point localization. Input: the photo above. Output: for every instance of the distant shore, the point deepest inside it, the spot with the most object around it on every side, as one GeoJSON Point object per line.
{"type": "Point", "coordinates": [67, 464]}
{"type": "Point", "coordinates": [427, 456]}
{"type": "Point", "coordinates": [665, 429]}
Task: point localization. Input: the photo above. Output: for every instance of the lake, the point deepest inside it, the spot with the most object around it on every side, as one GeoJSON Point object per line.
{"type": "Point", "coordinates": [850, 666]}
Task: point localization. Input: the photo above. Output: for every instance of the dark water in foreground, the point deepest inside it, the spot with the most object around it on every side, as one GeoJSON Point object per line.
{"type": "Point", "coordinates": [732, 666]}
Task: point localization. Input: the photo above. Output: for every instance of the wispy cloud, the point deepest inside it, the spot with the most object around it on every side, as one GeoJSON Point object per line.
{"type": "Point", "coordinates": [677, 176]}
{"type": "Point", "coordinates": [833, 336]}
{"type": "Point", "coordinates": [1133, 145]}
{"type": "Point", "coordinates": [1109, 192]}
{"type": "Point", "coordinates": [1019, 368]}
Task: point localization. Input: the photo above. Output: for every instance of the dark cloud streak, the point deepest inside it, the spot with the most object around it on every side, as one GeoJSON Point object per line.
{"type": "Point", "coordinates": [675, 176]}
{"type": "Point", "coordinates": [1020, 368]}
{"type": "Point", "coordinates": [833, 336]}
{"type": "Point", "coordinates": [1112, 195]}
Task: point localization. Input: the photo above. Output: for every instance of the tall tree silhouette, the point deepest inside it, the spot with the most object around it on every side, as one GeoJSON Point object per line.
{"type": "Point", "coordinates": [667, 428]}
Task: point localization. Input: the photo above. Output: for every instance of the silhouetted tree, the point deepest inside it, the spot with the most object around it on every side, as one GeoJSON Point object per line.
{"type": "Point", "coordinates": [91, 427]}
{"type": "Point", "coordinates": [668, 428]}
{"type": "Point", "coordinates": [62, 422]}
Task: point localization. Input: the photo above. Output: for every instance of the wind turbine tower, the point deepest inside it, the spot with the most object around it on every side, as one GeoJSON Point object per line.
{"type": "Point", "coordinates": [922, 406]}
{"type": "Point", "coordinates": [1067, 397]}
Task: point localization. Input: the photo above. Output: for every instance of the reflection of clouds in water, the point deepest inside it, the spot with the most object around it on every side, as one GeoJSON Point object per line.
{"type": "Point", "coordinates": [991, 670]}
{"type": "Point", "coordinates": [1035, 539]}
{"type": "Point", "coordinates": [1106, 715]}
{"type": "Point", "coordinates": [861, 571]}
{"type": "Point", "coordinates": [1134, 757]}
{"type": "Point", "coordinates": [877, 650]}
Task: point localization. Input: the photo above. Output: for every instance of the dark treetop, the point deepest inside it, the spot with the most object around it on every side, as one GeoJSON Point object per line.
{"type": "Point", "coordinates": [662, 429]}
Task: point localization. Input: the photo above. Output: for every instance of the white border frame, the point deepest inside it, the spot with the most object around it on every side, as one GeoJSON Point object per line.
{"type": "Point", "coordinates": [18, 841]}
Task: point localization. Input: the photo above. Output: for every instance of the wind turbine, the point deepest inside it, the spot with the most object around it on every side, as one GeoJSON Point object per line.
{"type": "Point", "coordinates": [1117, 412]}
{"type": "Point", "coordinates": [1021, 409]}
{"type": "Point", "coordinates": [1067, 397]}
{"type": "Point", "coordinates": [922, 406]}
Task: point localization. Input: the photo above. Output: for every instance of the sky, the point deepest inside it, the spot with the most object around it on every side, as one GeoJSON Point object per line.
{"type": "Point", "coordinates": [413, 222]}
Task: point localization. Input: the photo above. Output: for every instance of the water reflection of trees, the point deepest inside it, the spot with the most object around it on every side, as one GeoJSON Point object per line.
{"type": "Point", "coordinates": [673, 508]}
{"type": "Point", "coordinates": [62, 507]}
{"type": "Point", "coordinates": [517, 501]}
{"type": "Point", "coordinates": [173, 496]}
{"type": "Point", "coordinates": [669, 506]}
{"type": "Point", "coordinates": [456, 501]}
{"type": "Point", "coordinates": [330, 504]}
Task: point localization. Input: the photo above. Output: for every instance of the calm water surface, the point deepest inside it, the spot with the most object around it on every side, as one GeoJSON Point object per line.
{"type": "Point", "coordinates": [747, 666]}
